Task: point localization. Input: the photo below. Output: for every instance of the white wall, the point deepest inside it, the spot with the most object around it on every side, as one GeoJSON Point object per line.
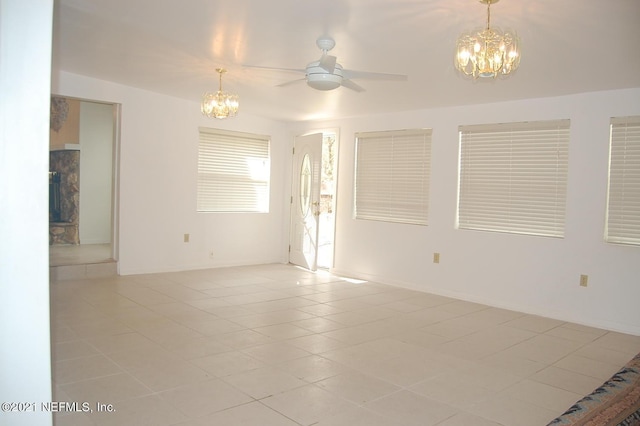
{"type": "Point", "coordinates": [530, 274]}
{"type": "Point", "coordinates": [96, 153]}
{"type": "Point", "coordinates": [158, 160]}
{"type": "Point", "coordinates": [25, 64]}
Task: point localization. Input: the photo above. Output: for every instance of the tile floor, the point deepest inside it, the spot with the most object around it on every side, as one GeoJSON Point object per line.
{"type": "Point", "coordinates": [63, 255]}
{"type": "Point", "coordinates": [274, 345]}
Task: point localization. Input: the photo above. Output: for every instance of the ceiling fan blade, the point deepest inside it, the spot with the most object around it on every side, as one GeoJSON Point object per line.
{"type": "Point", "coordinates": [276, 69]}
{"type": "Point", "coordinates": [328, 63]}
{"type": "Point", "coordinates": [351, 85]}
{"type": "Point", "coordinates": [289, 83]}
{"type": "Point", "coordinates": [374, 75]}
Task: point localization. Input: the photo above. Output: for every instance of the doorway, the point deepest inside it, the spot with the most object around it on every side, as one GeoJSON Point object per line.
{"type": "Point", "coordinates": [313, 201]}
{"type": "Point", "coordinates": [83, 157]}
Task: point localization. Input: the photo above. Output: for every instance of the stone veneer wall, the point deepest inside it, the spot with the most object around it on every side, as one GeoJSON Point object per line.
{"type": "Point", "coordinates": [67, 164]}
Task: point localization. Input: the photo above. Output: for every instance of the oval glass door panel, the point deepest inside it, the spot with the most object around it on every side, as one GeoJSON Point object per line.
{"type": "Point", "coordinates": [305, 185]}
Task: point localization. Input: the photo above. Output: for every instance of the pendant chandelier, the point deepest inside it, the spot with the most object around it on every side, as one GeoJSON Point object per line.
{"type": "Point", "coordinates": [220, 104]}
{"type": "Point", "coordinates": [487, 52]}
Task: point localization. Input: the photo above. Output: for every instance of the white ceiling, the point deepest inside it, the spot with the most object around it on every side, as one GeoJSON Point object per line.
{"type": "Point", "coordinates": [173, 47]}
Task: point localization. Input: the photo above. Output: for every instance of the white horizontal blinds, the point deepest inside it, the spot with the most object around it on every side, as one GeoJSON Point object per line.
{"type": "Point", "coordinates": [233, 172]}
{"type": "Point", "coordinates": [392, 175]}
{"type": "Point", "coordinates": [513, 177]}
{"type": "Point", "coordinates": [623, 209]}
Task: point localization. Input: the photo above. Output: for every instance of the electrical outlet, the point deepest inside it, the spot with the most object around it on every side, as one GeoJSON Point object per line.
{"type": "Point", "coordinates": [436, 257]}
{"type": "Point", "coordinates": [186, 238]}
{"type": "Point", "coordinates": [584, 279]}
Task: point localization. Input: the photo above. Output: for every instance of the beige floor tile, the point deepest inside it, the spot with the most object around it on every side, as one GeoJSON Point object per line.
{"type": "Point", "coordinates": [85, 368]}
{"type": "Point", "coordinates": [199, 347]}
{"type": "Point", "coordinates": [145, 296]}
{"type": "Point", "coordinates": [227, 363]}
{"type": "Point", "coordinates": [109, 389]}
{"type": "Point", "coordinates": [448, 330]}
{"type": "Point", "coordinates": [544, 348]}
{"type": "Point", "coordinates": [229, 311]}
{"type": "Point", "coordinates": [307, 405]}
{"type": "Point", "coordinates": [505, 409]}
{"type": "Point", "coordinates": [573, 334]}
{"type": "Point", "coordinates": [463, 307]}
{"type": "Point", "coordinates": [107, 327]}
{"type": "Point", "coordinates": [204, 398]}
{"type": "Point", "coordinates": [169, 376]}
{"type": "Point", "coordinates": [144, 411]}
{"type": "Point", "coordinates": [72, 419]}
{"type": "Point", "coordinates": [180, 292]}
{"type": "Point", "coordinates": [283, 331]}
{"type": "Point", "coordinates": [543, 395]}
{"type": "Point", "coordinates": [421, 338]}
{"type": "Point", "coordinates": [466, 419]}
{"type": "Point", "coordinates": [620, 342]}
{"type": "Point", "coordinates": [402, 306]}
{"type": "Point", "coordinates": [253, 413]}
{"type": "Point", "coordinates": [350, 318]}
{"type": "Point", "coordinates": [513, 364]}
{"type": "Point", "coordinates": [479, 375]}
{"type": "Point", "coordinates": [321, 309]}
{"type": "Point", "coordinates": [357, 387]}
{"type": "Point", "coordinates": [243, 339]}
{"type": "Point", "coordinates": [316, 343]}
{"type": "Point", "coordinates": [170, 337]}
{"type": "Point", "coordinates": [412, 409]}
{"type": "Point", "coordinates": [263, 382]}
{"type": "Point", "coordinates": [62, 333]}
{"type": "Point", "coordinates": [273, 353]}
{"type": "Point", "coordinates": [534, 323]}
{"type": "Point", "coordinates": [212, 327]}
{"type": "Point", "coordinates": [567, 380]}
{"type": "Point", "coordinates": [360, 333]}
{"type": "Point", "coordinates": [453, 390]}
{"type": "Point", "coordinates": [72, 349]}
{"type": "Point", "coordinates": [143, 357]}
{"type": "Point", "coordinates": [271, 318]}
{"type": "Point", "coordinates": [359, 416]}
{"type": "Point", "coordinates": [603, 354]}
{"type": "Point", "coordinates": [312, 368]}
{"type": "Point", "coordinates": [589, 367]}
{"type": "Point", "coordinates": [121, 342]}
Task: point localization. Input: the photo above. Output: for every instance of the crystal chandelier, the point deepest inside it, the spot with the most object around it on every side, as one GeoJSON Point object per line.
{"type": "Point", "coordinates": [219, 104]}
{"type": "Point", "coordinates": [488, 52]}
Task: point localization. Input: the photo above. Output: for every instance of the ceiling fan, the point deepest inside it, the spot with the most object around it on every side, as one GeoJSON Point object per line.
{"type": "Point", "coordinates": [327, 74]}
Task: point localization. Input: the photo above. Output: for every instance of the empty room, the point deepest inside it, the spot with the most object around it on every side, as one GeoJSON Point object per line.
{"type": "Point", "coordinates": [338, 213]}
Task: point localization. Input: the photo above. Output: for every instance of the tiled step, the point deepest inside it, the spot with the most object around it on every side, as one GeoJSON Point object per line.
{"type": "Point", "coordinates": [78, 272]}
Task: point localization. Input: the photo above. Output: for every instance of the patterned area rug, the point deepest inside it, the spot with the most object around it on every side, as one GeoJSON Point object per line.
{"type": "Point", "coordinates": [615, 403]}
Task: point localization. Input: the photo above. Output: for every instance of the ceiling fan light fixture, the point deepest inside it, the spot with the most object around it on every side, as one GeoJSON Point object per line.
{"type": "Point", "coordinates": [488, 52]}
{"type": "Point", "coordinates": [319, 79]}
{"type": "Point", "coordinates": [219, 104]}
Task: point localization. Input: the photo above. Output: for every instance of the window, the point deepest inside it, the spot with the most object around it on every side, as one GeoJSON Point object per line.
{"type": "Point", "coordinates": [513, 177]}
{"type": "Point", "coordinates": [623, 206]}
{"type": "Point", "coordinates": [392, 175]}
{"type": "Point", "coordinates": [233, 172]}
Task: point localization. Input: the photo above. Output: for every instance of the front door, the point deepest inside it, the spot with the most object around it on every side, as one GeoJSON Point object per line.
{"type": "Point", "coordinates": [305, 201]}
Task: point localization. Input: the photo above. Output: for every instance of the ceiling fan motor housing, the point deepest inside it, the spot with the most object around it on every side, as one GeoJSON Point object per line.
{"type": "Point", "coordinates": [319, 79]}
